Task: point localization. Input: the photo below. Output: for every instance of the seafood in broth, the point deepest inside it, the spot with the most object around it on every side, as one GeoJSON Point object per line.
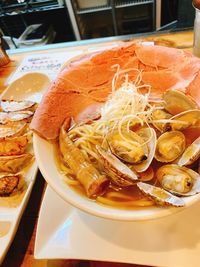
{"type": "Point", "coordinates": [170, 146]}
{"type": "Point", "coordinates": [133, 89]}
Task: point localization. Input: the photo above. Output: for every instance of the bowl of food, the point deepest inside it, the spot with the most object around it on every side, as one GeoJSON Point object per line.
{"type": "Point", "coordinates": [117, 134]}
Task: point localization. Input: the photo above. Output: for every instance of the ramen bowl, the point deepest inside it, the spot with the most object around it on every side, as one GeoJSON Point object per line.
{"type": "Point", "coordinates": [102, 78]}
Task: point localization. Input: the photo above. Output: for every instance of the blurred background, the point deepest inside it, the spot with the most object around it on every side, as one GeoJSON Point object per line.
{"type": "Point", "coordinates": [25, 23]}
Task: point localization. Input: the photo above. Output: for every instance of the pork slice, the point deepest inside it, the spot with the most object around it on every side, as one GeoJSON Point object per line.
{"type": "Point", "coordinates": [193, 88]}
{"type": "Point", "coordinates": [54, 109]}
{"type": "Point", "coordinates": [160, 56]}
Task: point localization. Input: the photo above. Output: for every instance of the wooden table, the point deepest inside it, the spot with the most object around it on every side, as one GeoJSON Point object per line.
{"type": "Point", "coordinates": [21, 252]}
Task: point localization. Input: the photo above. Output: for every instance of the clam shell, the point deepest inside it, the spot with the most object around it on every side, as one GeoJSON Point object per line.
{"type": "Point", "coordinates": [149, 136]}
{"type": "Point", "coordinates": [176, 102]}
{"type": "Point", "coordinates": [119, 173]}
{"type": "Point", "coordinates": [11, 105]}
{"type": "Point", "coordinates": [180, 181]}
{"type": "Point", "coordinates": [183, 120]}
{"type": "Point", "coordinates": [170, 146]}
{"type": "Point", "coordinates": [191, 154]}
{"type": "Point", "coordinates": [160, 196]}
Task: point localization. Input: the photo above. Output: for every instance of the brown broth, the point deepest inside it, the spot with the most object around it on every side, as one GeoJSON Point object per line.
{"type": "Point", "coordinates": [131, 193]}
{"type": "Point", "coordinates": [191, 134]}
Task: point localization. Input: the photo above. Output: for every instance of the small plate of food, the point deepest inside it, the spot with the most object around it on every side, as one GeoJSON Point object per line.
{"type": "Point", "coordinates": [118, 133]}
{"type": "Point", "coordinates": [18, 167]}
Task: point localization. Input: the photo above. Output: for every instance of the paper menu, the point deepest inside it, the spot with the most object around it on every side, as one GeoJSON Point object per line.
{"type": "Point", "coordinates": [48, 63]}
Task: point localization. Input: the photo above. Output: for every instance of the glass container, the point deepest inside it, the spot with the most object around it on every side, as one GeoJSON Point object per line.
{"type": "Point", "coordinates": [196, 47]}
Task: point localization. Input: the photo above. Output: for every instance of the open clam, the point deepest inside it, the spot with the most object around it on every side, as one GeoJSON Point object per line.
{"type": "Point", "coordinates": [149, 137]}
{"type": "Point", "coordinates": [170, 146]}
{"type": "Point", "coordinates": [129, 146]}
{"type": "Point", "coordinates": [183, 120]}
{"type": "Point", "coordinates": [119, 173]}
{"type": "Point", "coordinates": [178, 180]}
{"type": "Point", "coordinates": [160, 196]}
{"type": "Point", "coordinates": [191, 154]}
{"type": "Point", "coordinates": [176, 102]}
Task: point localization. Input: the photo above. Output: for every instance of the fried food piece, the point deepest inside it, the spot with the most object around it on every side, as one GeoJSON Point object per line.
{"type": "Point", "coordinates": [12, 129]}
{"type": "Point", "coordinates": [14, 146]}
{"type": "Point", "coordinates": [13, 164]}
{"type": "Point", "coordinates": [8, 183]}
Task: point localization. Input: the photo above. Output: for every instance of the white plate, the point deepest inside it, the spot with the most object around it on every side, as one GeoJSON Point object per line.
{"type": "Point", "coordinates": [45, 156]}
{"type": "Point", "coordinates": [29, 87]}
{"type": "Point", "coordinates": [64, 232]}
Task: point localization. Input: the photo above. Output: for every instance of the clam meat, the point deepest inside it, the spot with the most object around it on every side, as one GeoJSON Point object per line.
{"type": "Point", "coordinates": [160, 196]}
{"type": "Point", "coordinates": [129, 146]}
{"type": "Point", "coordinates": [178, 180]}
{"type": "Point", "coordinates": [170, 146]}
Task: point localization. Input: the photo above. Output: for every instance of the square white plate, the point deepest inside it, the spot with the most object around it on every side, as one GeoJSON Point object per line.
{"type": "Point", "coordinates": [28, 87]}
{"type": "Point", "coordinates": [64, 232]}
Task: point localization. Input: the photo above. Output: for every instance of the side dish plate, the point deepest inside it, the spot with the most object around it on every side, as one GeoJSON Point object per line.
{"type": "Point", "coordinates": [29, 87]}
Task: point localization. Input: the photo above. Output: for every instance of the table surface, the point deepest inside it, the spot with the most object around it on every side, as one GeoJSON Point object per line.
{"type": "Point", "coordinates": [21, 252]}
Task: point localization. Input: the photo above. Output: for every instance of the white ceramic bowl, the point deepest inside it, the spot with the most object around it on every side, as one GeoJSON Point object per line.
{"type": "Point", "coordinates": [45, 156]}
